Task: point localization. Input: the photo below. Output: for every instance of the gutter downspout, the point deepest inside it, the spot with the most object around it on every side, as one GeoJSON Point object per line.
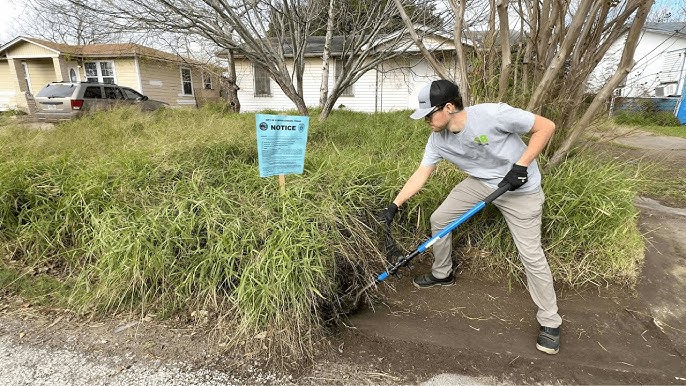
{"type": "Point", "coordinates": [679, 111]}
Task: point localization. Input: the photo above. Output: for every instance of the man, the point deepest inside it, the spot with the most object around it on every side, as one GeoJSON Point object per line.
{"type": "Point", "coordinates": [484, 141]}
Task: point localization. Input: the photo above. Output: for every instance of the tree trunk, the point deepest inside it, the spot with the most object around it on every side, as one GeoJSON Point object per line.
{"type": "Point", "coordinates": [232, 86]}
{"type": "Point", "coordinates": [625, 65]}
{"type": "Point", "coordinates": [555, 66]}
{"type": "Point", "coordinates": [506, 60]}
{"type": "Point", "coordinates": [324, 89]}
{"type": "Point", "coordinates": [436, 65]}
{"type": "Point", "coordinates": [461, 75]}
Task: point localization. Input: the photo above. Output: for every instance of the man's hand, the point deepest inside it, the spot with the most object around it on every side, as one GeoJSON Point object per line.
{"type": "Point", "coordinates": [516, 177]}
{"type": "Point", "coordinates": [388, 213]}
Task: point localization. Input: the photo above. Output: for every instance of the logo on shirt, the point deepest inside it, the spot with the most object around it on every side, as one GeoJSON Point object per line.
{"type": "Point", "coordinates": [481, 139]}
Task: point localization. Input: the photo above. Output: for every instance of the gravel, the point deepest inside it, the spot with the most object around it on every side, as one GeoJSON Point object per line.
{"type": "Point", "coordinates": [22, 364]}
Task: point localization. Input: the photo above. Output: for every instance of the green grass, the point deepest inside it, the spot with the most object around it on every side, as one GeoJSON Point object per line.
{"type": "Point", "coordinates": [662, 183]}
{"type": "Point", "coordinates": [662, 123]}
{"type": "Point", "coordinates": [166, 213]}
{"type": "Point", "coordinates": [670, 131]}
{"type": "Point", "coordinates": [646, 118]}
{"type": "Point", "coordinates": [590, 233]}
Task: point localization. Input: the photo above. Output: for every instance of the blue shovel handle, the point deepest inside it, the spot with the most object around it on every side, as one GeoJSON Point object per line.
{"type": "Point", "coordinates": [403, 261]}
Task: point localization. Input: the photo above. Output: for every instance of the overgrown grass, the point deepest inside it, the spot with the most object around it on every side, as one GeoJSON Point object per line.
{"type": "Point", "coordinates": [589, 227]}
{"type": "Point", "coordinates": [166, 213]}
{"type": "Point", "coordinates": [670, 131]}
{"type": "Point", "coordinates": [662, 183]}
{"type": "Point", "coordinates": [646, 118]}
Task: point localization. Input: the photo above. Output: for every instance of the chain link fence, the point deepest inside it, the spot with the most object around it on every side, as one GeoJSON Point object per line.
{"type": "Point", "coordinates": [643, 105]}
{"type": "Point", "coordinates": [660, 111]}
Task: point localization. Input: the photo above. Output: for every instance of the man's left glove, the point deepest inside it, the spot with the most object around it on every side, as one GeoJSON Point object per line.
{"type": "Point", "coordinates": [389, 212]}
{"type": "Point", "coordinates": [516, 177]}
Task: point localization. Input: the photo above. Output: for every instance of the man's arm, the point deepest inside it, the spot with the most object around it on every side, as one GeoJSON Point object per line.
{"type": "Point", "coordinates": [541, 132]}
{"type": "Point", "coordinates": [414, 183]}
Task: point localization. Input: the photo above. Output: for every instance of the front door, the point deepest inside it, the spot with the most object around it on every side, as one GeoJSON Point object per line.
{"type": "Point", "coordinates": [73, 75]}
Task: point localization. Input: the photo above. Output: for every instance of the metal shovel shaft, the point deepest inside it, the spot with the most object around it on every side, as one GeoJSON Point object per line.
{"type": "Point", "coordinates": [449, 228]}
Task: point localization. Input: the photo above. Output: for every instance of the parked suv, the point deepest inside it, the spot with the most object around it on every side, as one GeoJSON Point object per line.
{"type": "Point", "coordinates": [64, 100]}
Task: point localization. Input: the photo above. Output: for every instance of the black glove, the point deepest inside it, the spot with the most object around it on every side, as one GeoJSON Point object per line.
{"type": "Point", "coordinates": [393, 252]}
{"type": "Point", "coordinates": [516, 177]}
{"type": "Point", "coordinates": [388, 213]}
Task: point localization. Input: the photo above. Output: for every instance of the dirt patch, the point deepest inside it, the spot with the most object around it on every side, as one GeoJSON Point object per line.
{"type": "Point", "coordinates": [475, 332]}
{"type": "Point", "coordinates": [485, 328]}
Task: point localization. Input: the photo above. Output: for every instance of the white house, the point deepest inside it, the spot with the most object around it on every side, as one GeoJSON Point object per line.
{"type": "Point", "coordinates": [393, 85]}
{"type": "Point", "coordinates": [660, 59]}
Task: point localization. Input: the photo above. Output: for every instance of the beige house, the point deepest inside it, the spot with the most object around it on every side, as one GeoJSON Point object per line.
{"type": "Point", "coordinates": [28, 64]}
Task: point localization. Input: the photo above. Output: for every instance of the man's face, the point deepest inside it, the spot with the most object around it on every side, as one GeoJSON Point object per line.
{"type": "Point", "coordinates": [437, 118]}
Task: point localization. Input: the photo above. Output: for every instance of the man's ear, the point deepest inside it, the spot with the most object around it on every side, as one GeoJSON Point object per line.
{"type": "Point", "coordinates": [452, 109]}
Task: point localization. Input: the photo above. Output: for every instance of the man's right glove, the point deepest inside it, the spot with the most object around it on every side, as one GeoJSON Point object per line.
{"type": "Point", "coordinates": [516, 177]}
{"type": "Point", "coordinates": [388, 213]}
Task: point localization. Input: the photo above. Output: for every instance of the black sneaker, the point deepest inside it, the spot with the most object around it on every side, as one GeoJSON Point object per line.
{"type": "Point", "coordinates": [548, 340]}
{"type": "Point", "coordinates": [428, 280]}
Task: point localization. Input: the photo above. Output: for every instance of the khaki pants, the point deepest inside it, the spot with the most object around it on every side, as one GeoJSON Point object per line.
{"type": "Point", "coordinates": [522, 212]}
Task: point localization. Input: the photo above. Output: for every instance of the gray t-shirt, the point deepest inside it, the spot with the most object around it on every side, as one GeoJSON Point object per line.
{"type": "Point", "coordinates": [487, 146]}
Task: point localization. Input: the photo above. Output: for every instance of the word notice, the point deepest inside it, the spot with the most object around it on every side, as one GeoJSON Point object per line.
{"type": "Point", "coordinates": [281, 141]}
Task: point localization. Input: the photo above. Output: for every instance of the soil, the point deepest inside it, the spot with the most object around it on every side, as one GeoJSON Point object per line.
{"type": "Point", "coordinates": [474, 332]}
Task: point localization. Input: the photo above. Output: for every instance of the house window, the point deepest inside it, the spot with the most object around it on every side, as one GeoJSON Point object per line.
{"type": "Point", "coordinates": [72, 76]}
{"type": "Point", "coordinates": [27, 78]}
{"type": "Point", "coordinates": [206, 81]}
{"type": "Point", "coordinates": [102, 72]}
{"type": "Point", "coordinates": [186, 81]}
{"type": "Point", "coordinates": [262, 81]}
{"type": "Point", "coordinates": [348, 91]}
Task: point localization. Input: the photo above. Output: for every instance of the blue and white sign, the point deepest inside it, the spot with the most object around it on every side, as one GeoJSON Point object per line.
{"type": "Point", "coordinates": [281, 141]}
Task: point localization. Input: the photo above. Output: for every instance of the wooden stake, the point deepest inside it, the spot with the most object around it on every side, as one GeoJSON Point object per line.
{"type": "Point", "coordinates": [282, 183]}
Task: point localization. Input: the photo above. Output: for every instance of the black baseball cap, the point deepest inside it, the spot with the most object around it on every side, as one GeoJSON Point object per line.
{"type": "Point", "coordinates": [435, 94]}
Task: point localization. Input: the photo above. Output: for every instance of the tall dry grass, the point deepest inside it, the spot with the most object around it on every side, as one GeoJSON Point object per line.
{"type": "Point", "coordinates": [165, 213]}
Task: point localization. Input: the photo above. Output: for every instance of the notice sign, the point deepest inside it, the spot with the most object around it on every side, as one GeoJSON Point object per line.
{"type": "Point", "coordinates": [281, 141]}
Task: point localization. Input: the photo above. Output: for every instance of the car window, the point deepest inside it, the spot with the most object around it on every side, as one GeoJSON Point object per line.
{"type": "Point", "coordinates": [57, 91]}
{"type": "Point", "coordinates": [113, 93]}
{"type": "Point", "coordinates": [132, 94]}
{"type": "Point", "coordinates": [93, 92]}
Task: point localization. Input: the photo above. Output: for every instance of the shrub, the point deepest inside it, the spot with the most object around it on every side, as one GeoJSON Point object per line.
{"type": "Point", "coordinates": [166, 213]}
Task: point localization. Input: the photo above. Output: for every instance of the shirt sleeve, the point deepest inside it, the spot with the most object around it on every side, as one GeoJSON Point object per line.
{"type": "Point", "coordinates": [514, 120]}
{"type": "Point", "coordinates": [431, 154]}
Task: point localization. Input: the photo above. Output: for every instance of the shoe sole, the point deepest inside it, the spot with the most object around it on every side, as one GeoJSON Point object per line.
{"type": "Point", "coordinates": [551, 351]}
{"type": "Point", "coordinates": [433, 285]}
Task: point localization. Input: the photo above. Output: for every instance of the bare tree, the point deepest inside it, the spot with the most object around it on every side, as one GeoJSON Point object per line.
{"type": "Point", "coordinates": [372, 36]}
{"type": "Point", "coordinates": [559, 44]}
{"type": "Point", "coordinates": [62, 21]}
{"type": "Point", "coordinates": [459, 8]}
{"type": "Point", "coordinates": [326, 54]}
{"type": "Point", "coordinates": [272, 34]}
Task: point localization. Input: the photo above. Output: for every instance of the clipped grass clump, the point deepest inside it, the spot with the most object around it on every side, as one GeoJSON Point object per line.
{"type": "Point", "coordinates": [165, 213]}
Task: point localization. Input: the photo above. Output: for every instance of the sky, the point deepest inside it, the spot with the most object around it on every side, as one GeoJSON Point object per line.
{"type": "Point", "coordinates": [10, 9]}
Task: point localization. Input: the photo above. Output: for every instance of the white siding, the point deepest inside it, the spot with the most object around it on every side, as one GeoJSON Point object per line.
{"type": "Point", "coordinates": [649, 57]}
{"type": "Point", "coordinates": [393, 87]}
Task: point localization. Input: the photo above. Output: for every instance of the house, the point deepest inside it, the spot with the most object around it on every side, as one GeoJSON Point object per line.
{"type": "Point", "coordinates": [660, 59]}
{"type": "Point", "coordinates": [27, 64]}
{"type": "Point", "coordinates": [392, 85]}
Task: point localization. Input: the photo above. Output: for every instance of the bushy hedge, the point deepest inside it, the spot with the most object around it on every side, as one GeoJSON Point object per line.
{"type": "Point", "coordinates": [165, 213]}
